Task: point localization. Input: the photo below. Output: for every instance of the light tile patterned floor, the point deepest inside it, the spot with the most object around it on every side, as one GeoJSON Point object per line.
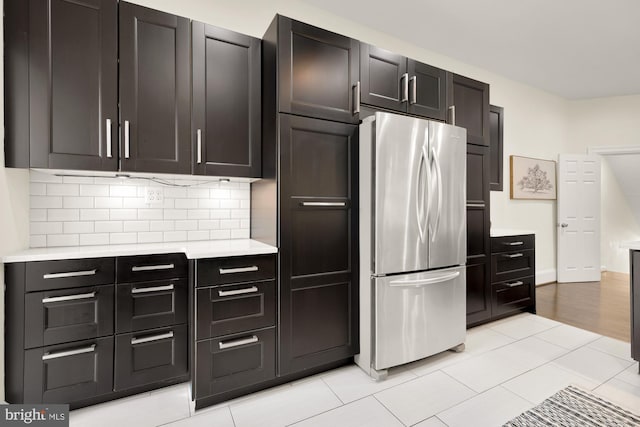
{"type": "Point", "coordinates": [508, 367]}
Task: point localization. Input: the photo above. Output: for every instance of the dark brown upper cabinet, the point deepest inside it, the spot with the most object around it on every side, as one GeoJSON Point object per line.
{"type": "Point", "coordinates": [226, 121]}
{"type": "Point", "coordinates": [395, 82]}
{"type": "Point", "coordinates": [469, 107]}
{"type": "Point", "coordinates": [317, 70]}
{"type": "Point", "coordinates": [155, 91]}
{"type": "Point", "coordinates": [61, 80]}
{"type": "Point", "coordinates": [496, 136]}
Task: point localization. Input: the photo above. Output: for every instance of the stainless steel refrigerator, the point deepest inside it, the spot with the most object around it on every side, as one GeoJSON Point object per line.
{"type": "Point", "coordinates": [412, 240]}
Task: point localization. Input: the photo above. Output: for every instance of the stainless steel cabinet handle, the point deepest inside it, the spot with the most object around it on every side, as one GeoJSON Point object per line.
{"type": "Point", "coordinates": [237, 343]}
{"type": "Point", "coordinates": [452, 110]}
{"type": "Point", "coordinates": [199, 145]}
{"type": "Point", "coordinates": [326, 204]}
{"type": "Point", "coordinates": [476, 205]}
{"type": "Point", "coordinates": [414, 90]}
{"type": "Point", "coordinates": [126, 139]}
{"type": "Point", "coordinates": [514, 284]}
{"type": "Point", "coordinates": [151, 289]}
{"type": "Point", "coordinates": [518, 255]}
{"type": "Point", "coordinates": [152, 267]}
{"type": "Point", "coordinates": [68, 298]}
{"type": "Point", "coordinates": [404, 81]}
{"type": "Point", "coordinates": [238, 270]}
{"type": "Point", "coordinates": [250, 290]}
{"type": "Point", "coordinates": [56, 355]}
{"type": "Point", "coordinates": [422, 282]}
{"type": "Point", "coordinates": [69, 274]}
{"type": "Point", "coordinates": [159, 337]}
{"type": "Point", "coordinates": [513, 243]}
{"type": "Point", "coordinates": [356, 98]}
{"type": "Point", "coordinates": [108, 138]}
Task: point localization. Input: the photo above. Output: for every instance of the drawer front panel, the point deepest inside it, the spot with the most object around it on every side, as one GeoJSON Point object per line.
{"type": "Point", "coordinates": [512, 295]}
{"type": "Point", "coordinates": [233, 362]}
{"type": "Point", "coordinates": [511, 265]}
{"type": "Point", "coordinates": [55, 317]}
{"type": "Point", "coordinates": [150, 356]}
{"type": "Point", "coordinates": [46, 275]}
{"type": "Point", "coordinates": [228, 309]}
{"type": "Point", "coordinates": [149, 305]}
{"type": "Point", "coordinates": [512, 243]}
{"type": "Point", "coordinates": [69, 372]}
{"type": "Point", "coordinates": [146, 268]}
{"type": "Point", "coordinates": [219, 271]}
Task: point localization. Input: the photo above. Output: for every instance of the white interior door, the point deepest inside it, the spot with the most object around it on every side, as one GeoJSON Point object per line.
{"type": "Point", "coordinates": [578, 218]}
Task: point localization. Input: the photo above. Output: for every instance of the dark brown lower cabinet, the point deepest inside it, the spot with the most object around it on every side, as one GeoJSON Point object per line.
{"type": "Point", "coordinates": [68, 372]}
{"type": "Point", "coordinates": [235, 361]}
{"type": "Point", "coordinates": [150, 356]}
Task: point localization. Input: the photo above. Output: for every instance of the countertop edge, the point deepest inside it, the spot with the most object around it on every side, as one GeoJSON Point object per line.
{"type": "Point", "coordinates": [192, 250]}
{"type": "Point", "coordinates": [505, 232]}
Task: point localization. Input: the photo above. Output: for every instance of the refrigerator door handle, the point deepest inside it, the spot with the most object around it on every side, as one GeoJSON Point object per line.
{"type": "Point", "coordinates": [439, 178]}
{"type": "Point", "coordinates": [422, 282]}
{"type": "Point", "coordinates": [420, 185]}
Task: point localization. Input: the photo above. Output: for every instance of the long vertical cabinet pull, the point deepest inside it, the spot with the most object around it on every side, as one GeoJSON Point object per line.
{"type": "Point", "coordinates": [452, 111]}
{"type": "Point", "coordinates": [108, 138]}
{"type": "Point", "coordinates": [199, 146]}
{"type": "Point", "coordinates": [414, 90]}
{"type": "Point", "coordinates": [404, 81]}
{"type": "Point", "coordinates": [356, 98]}
{"type": "Point", "coordinates": [126, 139]}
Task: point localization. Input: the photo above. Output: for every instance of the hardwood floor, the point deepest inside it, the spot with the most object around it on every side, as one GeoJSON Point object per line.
{"type": "Point", "coordinates": [602, 307]}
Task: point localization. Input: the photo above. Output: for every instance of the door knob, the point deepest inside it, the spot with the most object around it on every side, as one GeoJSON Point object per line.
{"type": "Point", "coordinates": [564, 225]}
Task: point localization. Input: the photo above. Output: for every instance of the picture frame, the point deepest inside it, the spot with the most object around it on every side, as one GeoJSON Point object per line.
{"type": "Point", "coordinates": [532, 179]}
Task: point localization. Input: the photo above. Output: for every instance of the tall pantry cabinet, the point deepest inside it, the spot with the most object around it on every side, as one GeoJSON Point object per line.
{"type": "Point", "coordinates": [307, 201]}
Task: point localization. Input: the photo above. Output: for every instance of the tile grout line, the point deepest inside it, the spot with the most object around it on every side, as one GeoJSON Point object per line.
{"type": "Point", "coordinates": [389, 410]}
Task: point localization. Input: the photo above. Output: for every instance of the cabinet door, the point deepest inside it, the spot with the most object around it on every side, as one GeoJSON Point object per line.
{"type": "Point", "coordinates": [226, 102]}
{"type": "Point", "coordinates": [478, 236]}
{"type": "Point", "coordinates": [469, 100]}
{"type": "Point", "coordinates": [383, 78]}
{"type": "Point", "coordinates": [154, 91]}
{"type": "Point", "coordinates": [73, 84]}
{"type": "Point", "coordinates": [318, 247]}
{"type": "Point", "coordinates": [427, 90]}
{"type": "Point", "coordinates": [318, 71]}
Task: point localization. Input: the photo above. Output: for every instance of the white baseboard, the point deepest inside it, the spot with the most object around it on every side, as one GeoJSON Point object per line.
{"type": "Point", "coordinates": [545, 276]}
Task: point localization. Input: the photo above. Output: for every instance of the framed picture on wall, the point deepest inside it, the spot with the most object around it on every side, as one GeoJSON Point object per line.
{"type": "Point", "coordinates": [533, 179]}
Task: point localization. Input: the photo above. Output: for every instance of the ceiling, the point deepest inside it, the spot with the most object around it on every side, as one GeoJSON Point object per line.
{"type": "Point", "coordinates": [573, 48]}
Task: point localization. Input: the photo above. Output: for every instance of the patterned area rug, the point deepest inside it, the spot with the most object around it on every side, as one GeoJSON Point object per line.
{"type": "Point", "coordinates": [575, 407]}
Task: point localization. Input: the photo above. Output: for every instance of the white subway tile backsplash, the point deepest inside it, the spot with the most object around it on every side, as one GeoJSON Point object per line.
{"type": "Point", "coordinates": [63, 215]}
{"type": "Point", "coordinates": [71, 211]}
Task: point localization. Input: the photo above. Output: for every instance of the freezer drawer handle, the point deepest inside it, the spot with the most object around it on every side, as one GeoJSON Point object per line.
{"type": "Point", "coordinates": [422, 282]}
{"type": "Point", "coordinates": [238, 292]}
{"type": "Point", "coordinates": [68, 298]}
{"type": "Point", "coordinates": [152, 267]}
{"type": "Point", "coordinates": [518, 255]}
{"type": "Point", "coordinates": [237, 343]}
{"type": "Point", "coordinates": [159, 337]}
{"type": "Point", "coordinates": [238, 270]}
{"type": "Point", "coordinates": [513, 243]}
{"type": "Point", "coordinates": [515, 284]}
{"type": "Point", "coordinates": [70, 274]}
{"type": "Point", "coordinates": [152, 289]}
{"type": "Point", "coordinates": [49, 356]}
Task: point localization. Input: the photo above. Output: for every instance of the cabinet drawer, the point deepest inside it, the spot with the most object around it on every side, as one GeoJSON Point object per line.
{"type": "Point", "coordinates": [229, 309]}
{"type": "Point", "coordinates": [512, 295]}
{"type": "Point", "coordinates": [71, 273]}
{"type": "Point", "coordinates": [150, 356]}
{"type": "Point", "coordinates": [236, 361]}
{"type": "Point", "coordinates": [55, 317]}
{"type": "Point", "coordinates": [146, 268]}
{"type": "Point", "coordinates": [512, 243]}
{"type": "Point", "coordinates": [69, 372]}
{"type": "Point", "coordinates": [218, 271]}
{"type": "Point", "coordinates": [511, 265]}
{"type": "Point", "coordinates": [149, 305]}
